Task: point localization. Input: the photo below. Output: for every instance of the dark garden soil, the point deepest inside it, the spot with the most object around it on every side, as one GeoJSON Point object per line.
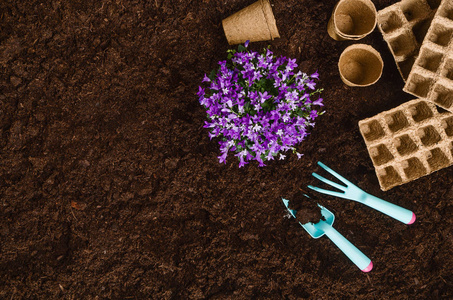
{"type": "Point", "coordinates": [111, 189]}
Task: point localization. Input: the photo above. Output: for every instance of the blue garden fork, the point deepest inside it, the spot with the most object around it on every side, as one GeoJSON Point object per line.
{"type": "Point", "coordinates": [352, 192]}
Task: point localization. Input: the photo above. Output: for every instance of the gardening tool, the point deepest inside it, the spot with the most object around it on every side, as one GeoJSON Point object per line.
{"type": "Point", "coordinates": [325, 227]}
{"type": "Point", "coordinates": [352, 192]}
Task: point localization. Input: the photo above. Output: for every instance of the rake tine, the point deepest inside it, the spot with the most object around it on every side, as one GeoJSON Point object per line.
{"type": "Point", "coordinates": [341, 178]}
{"type": "Point", "coordinates": [327, 181]}
{"type": "Point", "coordinates": [327, 192]}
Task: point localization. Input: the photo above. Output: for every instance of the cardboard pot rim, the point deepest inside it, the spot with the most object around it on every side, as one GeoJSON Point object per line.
{"type": "Point", "coordinates": [333, 27]}
{"type": "Point", "coordinates": [369, 49]}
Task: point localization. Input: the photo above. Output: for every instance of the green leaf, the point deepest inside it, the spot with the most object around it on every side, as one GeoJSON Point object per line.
{"type": "Point", "coordinates": [241, 48]}
{"type": "Point", "coordinates": [212, 75]}
{"type": "Point", "coordinates": [247, 107]}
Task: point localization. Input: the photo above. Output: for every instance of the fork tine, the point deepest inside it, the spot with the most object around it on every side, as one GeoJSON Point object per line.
{"type": "Point", "coordinates": [341, 178]}
{"type": "Point", "coordinates": [325, 180]}
{"type": "Point", "coordinates": [327, 192]}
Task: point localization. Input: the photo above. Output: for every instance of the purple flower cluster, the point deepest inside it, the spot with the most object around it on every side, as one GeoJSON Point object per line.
{"type": "Point", "coordinates": [259, 106]}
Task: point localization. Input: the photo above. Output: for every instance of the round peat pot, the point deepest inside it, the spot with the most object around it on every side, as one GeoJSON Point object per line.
{"type": "Point", "coordinates": [255, 23]}
{"type": "Point", "coordinates": [360, 65]}
{"type": "Point", "coordinates": [352, 20]}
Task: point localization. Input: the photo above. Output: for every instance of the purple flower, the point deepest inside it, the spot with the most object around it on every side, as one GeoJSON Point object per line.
{"type": "Point", "coordinates": [239, 113]}
{"type": "Point", "coordinates": [206, 79]}
{"type": "Point", "coordinates": [201, 92]}
{"type": "Point", "coordinates": [222, 158]}
{"type": "Point", "coordinates": [291, 64]}
{"type": "Point", "coordinates": [270, 156]}
{"type": "Point", "coordinates": [241, 156]}
{"type": "Point", "coordinates": [318, 102]}
{"type": "Point", "coordinates": [313, 114]}
{"type": "Point", "coordinates": [311, 84]}
{"type": "Point", "coordinates": [264, 96]}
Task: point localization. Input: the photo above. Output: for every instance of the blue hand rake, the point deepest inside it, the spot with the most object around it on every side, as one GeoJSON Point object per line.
{"type": "Point", "coordinates": [352, 192]}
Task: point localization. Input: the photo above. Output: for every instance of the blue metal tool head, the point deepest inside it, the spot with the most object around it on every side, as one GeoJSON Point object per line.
{"type": "Point", "coordinates": [311, 228]}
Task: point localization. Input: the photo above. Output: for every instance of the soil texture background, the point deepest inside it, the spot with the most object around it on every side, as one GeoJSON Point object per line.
{"type": "Point", "coordinates": [111, 189]}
